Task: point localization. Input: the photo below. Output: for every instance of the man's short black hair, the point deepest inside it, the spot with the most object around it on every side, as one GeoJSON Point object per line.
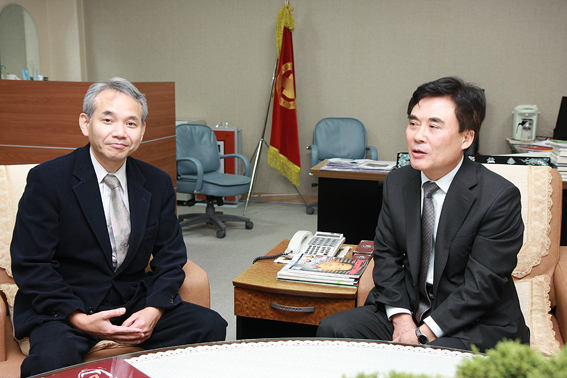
{"type": "Point", "coordinates": [469, 99]}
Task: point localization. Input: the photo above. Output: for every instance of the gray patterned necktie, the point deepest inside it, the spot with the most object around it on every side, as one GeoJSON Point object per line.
{"type": "Point", "coordinates": [427, 227]}
{"type": "Point", "coordinates": [119, 219]}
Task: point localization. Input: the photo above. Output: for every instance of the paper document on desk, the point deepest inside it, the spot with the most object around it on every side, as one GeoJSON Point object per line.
{"type": "Point", "coordinates": [358, 165]}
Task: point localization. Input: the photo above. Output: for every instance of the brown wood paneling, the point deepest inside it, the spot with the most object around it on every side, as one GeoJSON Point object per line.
{"type": "Point", "coordinates": [161, 109]}
{"type": "Point", "coordinates": [46, 114]}
{"type": "Point", "coordinates": [28, 155]}
{"type": "Point", "coordinates": [159, 153]}
{"type": "Point", "coordinates": [41, 113]}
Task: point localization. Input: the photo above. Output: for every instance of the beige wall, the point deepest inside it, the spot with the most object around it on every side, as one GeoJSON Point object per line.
{"type": "Point", "coordinates": [355, 58]}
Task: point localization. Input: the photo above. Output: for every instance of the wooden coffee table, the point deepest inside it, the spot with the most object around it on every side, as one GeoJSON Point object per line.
{"type": "Point", "coordinates": [268, 308]}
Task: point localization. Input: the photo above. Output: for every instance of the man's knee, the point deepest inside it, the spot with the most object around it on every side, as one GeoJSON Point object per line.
{"type": "Point", "coordinates": [187, 324]}
{"type": "Point", "coordinates": [327, 328]}
{"type": "Point", "coordinates": [214, 327]}
{"type": "Point", "coordinates": [337, 325]}
{"type": "Point", "coordinates": [363, 322]}
{"type": "Point", "coordinates": [55, 345]}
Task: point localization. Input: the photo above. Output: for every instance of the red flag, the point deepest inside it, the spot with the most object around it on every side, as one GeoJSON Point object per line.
{"type": "Point", "coordinates": [283, 153]}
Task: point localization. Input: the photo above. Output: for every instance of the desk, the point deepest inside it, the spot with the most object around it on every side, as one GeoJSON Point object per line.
{"type": "Point", "coordinates": [267, 308]}
{"type": "Point", "coordinates": [285, 358]}
{"type": "Point", "coordinates": [349, 202]}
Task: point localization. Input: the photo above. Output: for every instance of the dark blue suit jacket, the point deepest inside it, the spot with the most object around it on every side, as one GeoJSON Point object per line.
{"type": "Point", "coordinates": [61, 253]}
{"type": "Point", "coordinates": [479, 235]}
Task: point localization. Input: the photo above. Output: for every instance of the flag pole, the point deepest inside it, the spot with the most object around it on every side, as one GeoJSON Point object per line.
{"type": "Point", "coordinates": [258, 151]}
{"type": "Point", "coordinates": [262, 141]}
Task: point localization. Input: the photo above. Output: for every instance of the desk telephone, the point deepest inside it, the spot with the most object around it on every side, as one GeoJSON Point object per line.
{"type": "Point", "coordinates": [321, 244]}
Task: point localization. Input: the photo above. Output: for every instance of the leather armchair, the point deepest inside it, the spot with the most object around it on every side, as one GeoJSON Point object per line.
{"type": "Point", "coordinates": [195, 288]}
{"type": "Point", "coordinates": [551, 260]}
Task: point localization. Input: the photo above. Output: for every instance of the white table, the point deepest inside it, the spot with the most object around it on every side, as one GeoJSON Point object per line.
{"type": "Point", "coordinates": [297, 358]}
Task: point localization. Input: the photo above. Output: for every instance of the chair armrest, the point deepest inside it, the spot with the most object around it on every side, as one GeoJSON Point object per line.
{"type": "Point", "coordinates": [560, 285]}
{"type": "Point", "coordinates": [373, 152]}
{"type": "Point", "coordinates": [365, 284]}
{"type": "Point", "coordinates": [314, 154]}
{"type": "Point", "coordinates": [4, 317]}
{"type": "Point", "coordinates": [195, 288]}
{"type": "Point", "coordinates": [198, 166]}
{"type": "Point", "coordinates": [244, 160]}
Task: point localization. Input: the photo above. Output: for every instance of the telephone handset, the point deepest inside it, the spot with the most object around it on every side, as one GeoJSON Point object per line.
{"type": "Point", "coordinates": [298, 242]}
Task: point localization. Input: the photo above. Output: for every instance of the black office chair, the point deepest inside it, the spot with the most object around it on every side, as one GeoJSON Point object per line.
{"type": "Point", "coordinates": [338, 138]}
{"type": "Point", "coordinates": [198, 163]}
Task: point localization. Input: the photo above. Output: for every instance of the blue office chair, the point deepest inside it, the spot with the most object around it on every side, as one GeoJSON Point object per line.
{"type": "Point", "coordinates": [198, 163]}
{"type": "Point", "coordinates": [338, 138]}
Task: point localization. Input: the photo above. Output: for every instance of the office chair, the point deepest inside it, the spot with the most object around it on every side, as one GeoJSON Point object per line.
{"type": "Point", "coordinates": [198, 163]}
{"type": "Point", "coordinates": [338, 138]}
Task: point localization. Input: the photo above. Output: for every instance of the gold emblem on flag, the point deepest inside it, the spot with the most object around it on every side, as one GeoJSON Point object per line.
{"type": "Point", "coordinates": [285, 86]}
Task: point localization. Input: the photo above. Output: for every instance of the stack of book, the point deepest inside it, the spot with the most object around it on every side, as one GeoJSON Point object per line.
{"type": "Point", "coordinates": [558, 157]}
{"type": "Point", "coordinates": [365, 247]}
{"type": "Point", "coordinates": [325, 270]}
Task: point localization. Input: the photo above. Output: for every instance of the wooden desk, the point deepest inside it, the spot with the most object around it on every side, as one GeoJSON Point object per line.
{"type": "Point", "coordinates": [268, 308]}
{"type": "Point", "coordinates": [348, 202]}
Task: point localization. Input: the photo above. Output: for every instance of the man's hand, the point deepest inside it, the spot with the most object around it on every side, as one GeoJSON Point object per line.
{"type": "Point", "coordinates": [145, 320]}
{"type": "Point", "coordinates": [404, 329]}
{"type": "Point", "coordinates": [99, 325]}
{"type": "Point", "coordinates": [135, 330]}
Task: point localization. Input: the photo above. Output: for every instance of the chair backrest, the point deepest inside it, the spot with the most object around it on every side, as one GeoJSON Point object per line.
{"type": "Point", "coordinates": [542, 193]}
{"type": "Point", "coordinates": [199, 142]}
{"type": "Point", "coordinates": [12, 185]}
{"type": "Point", "coordinates": [340, 138]}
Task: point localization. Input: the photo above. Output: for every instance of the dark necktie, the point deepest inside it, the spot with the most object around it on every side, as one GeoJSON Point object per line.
{"type": "Point", "coordinates": [119, 219]}
{"type": "Point", "coordinates": [427, 227]}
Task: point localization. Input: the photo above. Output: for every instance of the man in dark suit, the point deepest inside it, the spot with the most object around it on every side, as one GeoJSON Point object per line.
{"type": "Point", "coordinates": [80, 267]}
{"type": "Point", "coordinates": [466, 295]}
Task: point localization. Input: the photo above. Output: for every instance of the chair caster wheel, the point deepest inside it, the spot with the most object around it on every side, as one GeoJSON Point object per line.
{"type": "Point", "coordinates": [249, 225]}
{"type": "Point", "coordinates": [309, 210]}
{"type": "Point", "coordinates": [221, 234]}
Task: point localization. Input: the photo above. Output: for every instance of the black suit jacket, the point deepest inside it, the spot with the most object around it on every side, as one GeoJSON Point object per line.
{"type": "Point", "coordinates": [61, 253]}
{"type": "Point", "coordinates": [479, 234]}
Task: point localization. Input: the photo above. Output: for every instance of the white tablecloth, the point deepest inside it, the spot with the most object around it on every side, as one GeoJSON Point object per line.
{"type": "Point", "coordinates": [298, 358]}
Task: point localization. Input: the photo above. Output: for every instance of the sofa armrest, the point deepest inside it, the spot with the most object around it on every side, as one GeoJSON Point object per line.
{"type": "Point", "coordinates": [365, 284]}
{"type": "Point", "coordinates": [560, 283]}
{"type": "Point", "coordinates": [4, 317]}
{"type": "Point", "coordinates": [195, 288]}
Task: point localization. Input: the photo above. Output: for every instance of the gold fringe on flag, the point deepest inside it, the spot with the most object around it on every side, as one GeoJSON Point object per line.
{"type": "Point", "coordinates": [285, 19]}
{"type": "Point", "coordinates": [285, 167]}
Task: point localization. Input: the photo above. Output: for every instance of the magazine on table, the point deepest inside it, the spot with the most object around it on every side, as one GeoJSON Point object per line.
{"type": "Point", "coordinates": [323, 267]}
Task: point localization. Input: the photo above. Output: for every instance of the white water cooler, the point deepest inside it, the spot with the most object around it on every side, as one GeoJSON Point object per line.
{"type": "Point", "coordinates": [525, 122]}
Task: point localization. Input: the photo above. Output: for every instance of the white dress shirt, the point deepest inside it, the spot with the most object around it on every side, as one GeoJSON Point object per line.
{"type": "Point", "coordinates": [105, 192]}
